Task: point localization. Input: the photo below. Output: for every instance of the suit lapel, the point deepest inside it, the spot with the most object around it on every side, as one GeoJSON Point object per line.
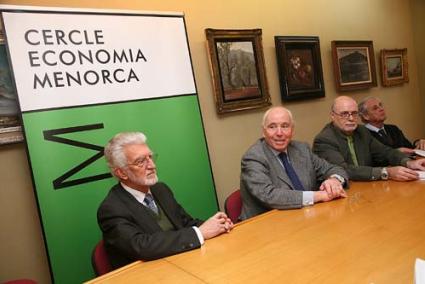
{"type": "Point", "coordinates": [360, 148]}
{"type": "Point", "coordinates": [157, 192]}
{"type": "Point", "coordinates": [299, 163]}
{"type": "Point", "coordinates": [138, 209]}
{"type": "Point", "coordinates": [275, 164]}
{"type": "Point", "coordinates": [343, 144]}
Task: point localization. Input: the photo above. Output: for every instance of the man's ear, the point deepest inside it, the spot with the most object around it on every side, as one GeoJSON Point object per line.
{"type": "Point", "coordinates": [120, 174]}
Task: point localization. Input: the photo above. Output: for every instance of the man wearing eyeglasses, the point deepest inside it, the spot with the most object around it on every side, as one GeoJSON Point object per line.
{"type": "Point", "coordinates": [345, 143]}
{"type": "Point", "coordinates": [372, 113]}
{"type": "Point", "coordinates": [279, 173]}
{"type": "Point", "coordinates": [140, 219]}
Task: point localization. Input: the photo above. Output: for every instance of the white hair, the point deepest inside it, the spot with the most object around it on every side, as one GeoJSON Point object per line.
{"type": "Point", "coordinates": [114, 150]}
{"type": "Point", "coordinates": [363, 108]}
{"type": "Point", "coordinates": [266, 114]}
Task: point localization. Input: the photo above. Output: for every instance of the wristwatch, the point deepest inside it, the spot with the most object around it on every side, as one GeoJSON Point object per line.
{"type": "Point", "coordinates": [339, 178]}
{"type": "Point", "coordinates": [384, 174]}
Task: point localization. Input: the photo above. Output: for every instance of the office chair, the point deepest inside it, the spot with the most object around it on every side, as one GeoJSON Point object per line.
{"type": "Point", "coordinates": [99, 259]}
{"type": "Point", "coordinates": [233, 206]}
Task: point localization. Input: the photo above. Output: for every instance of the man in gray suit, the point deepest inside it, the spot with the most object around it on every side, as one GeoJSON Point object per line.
{"type": "Point", "coordinates": [345, 143]}
{"type": "Point", "coordinates": [278, 173]}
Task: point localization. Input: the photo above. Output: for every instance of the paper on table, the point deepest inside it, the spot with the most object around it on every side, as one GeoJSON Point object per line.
{"type": "Point", "coordinates": [419, 271]}
{"type": "Point", "coordinates": [419, 152]}
{"type": "Point", "coordinates": [421, 175]}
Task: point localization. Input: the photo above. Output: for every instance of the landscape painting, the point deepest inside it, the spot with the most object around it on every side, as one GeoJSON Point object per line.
{"type": "Point", "coordinates": [10, 126]}
{"type": "Point", "coordinates": [237, 68]}
{"type": "Point", "coordinates": [354, 65]}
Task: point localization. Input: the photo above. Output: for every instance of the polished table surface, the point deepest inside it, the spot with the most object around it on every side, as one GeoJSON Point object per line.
{"type": "Point", "coordinates": [373, 236]}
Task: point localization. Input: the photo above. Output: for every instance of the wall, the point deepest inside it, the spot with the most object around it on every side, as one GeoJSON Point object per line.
{"type": "Point", "coordinates": [387, 22]}
{"type": "Point", "coordinates": [418, 24]}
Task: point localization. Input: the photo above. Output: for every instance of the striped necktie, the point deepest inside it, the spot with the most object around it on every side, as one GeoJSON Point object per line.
{"type": "Point", "coordinates": [150, 203]}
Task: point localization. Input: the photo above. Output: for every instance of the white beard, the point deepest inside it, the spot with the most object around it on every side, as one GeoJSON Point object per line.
{"type": "Point", "coordinates": [142, 181]}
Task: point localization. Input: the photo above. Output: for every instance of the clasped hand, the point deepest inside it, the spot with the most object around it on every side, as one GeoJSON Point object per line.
{"type": "Point", "coordinates": [216, 225]}
{"type": "Point", "coordinates": [333, 189]}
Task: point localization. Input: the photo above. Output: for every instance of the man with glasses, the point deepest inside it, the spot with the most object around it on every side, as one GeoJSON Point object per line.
{"type": "Point", "coordinates": [279, 173]}
{"type": "Point", "coordinates": [140, 219]}
{"type": "Point", "coordinates": [372, 113]}
{"type": "Point", "coordinates": [345, 143]}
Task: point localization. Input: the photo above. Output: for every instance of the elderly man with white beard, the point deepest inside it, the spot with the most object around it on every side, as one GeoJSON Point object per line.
{"type": "Point", "coordinates": [140, 219]}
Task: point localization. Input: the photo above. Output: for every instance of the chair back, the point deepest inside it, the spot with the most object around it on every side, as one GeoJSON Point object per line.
{"type": "Point", "coordinates": [233, 206]}
{"type": "Point", "coordinates": [100, 260]}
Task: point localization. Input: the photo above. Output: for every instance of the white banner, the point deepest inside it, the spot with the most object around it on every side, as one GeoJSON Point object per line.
{"type": "Point", "coordinates": [81, 61]}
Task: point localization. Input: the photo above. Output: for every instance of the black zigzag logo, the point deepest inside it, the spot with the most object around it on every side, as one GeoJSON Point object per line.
{"type": "Point", "coordinates": [62, 181]}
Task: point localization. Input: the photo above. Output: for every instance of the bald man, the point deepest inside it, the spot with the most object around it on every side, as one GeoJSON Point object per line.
{"type": "Point", "coordinates": [279, 173]}
{"type": "Point", "coordinates": [345, 143]}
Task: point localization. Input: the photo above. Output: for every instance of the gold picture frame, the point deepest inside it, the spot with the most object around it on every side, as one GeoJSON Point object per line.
{"type": "Point", "coordinates": [394, 67]}
{"type": "Point", "coordinates": [10, 123]}
{"type": "Point", "coordinates": [354, 65]}
{"type": "Point", "coordinates": [238, 70]}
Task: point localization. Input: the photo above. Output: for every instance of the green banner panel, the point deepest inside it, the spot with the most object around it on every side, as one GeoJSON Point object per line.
{"type": "Point", "coordinates": [59, 141]}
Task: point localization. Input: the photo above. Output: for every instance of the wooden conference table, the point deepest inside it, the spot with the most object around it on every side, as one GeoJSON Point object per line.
{"type": "Point", "coordinates": [373, 236]}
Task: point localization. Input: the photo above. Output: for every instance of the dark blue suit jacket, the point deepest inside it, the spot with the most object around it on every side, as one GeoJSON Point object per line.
{"type": "Point", "coordinates": [396, 137]}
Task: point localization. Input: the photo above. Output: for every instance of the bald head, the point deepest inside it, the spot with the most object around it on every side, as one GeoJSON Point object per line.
{"type": "Point", "coordinates": [341, 102]}
{"type": "Point", "coordinates": [344, 114]}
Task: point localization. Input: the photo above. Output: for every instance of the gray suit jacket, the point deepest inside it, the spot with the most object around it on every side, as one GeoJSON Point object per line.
{"type": "Point", "coordinates": [331, 144]}
{"type": "Point", "coordinates": [265, 184]}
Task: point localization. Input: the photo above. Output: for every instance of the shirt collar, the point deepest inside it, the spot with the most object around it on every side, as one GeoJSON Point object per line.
{"type": "Point", "coordinates": [275, 152]}
{"type": "Point", "coordinates": [372, 128]}
{"type": "Point", "coordinates": [140, 196]}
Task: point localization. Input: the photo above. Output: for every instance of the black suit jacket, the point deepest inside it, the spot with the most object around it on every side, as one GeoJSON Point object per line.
{"type": "Point", "coordinates": [397, 138]}
{"type": "Point", "coordinates": [131, 233]}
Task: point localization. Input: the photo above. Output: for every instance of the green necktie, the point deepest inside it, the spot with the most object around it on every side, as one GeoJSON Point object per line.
{"type": "Point", "coordinates": [352, 151]}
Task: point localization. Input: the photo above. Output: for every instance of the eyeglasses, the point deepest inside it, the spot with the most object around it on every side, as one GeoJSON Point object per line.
{"type": "Point", "coordinates": [347, 114]}
{"type": "Point", "coordinates": [143, 162]}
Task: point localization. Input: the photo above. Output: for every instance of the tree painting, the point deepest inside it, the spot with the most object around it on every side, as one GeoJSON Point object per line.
{"type": "Point", "coordinates": [8, 99]}
{"type": "Point", "coordinates": [238, 70]}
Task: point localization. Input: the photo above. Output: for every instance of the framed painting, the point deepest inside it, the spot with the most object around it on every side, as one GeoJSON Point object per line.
{"type": "Point", "coordinates": [10, 125]}
{"type": "Point", "coordinates": [394, 67]}
{"type": "Point", "coordinates": [354, 65]}
{"type": "Point", "coordinates": [300, 67]}
{"type": "Point", "coordinates": [237, 68]}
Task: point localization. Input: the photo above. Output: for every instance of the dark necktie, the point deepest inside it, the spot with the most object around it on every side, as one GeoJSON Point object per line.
{"type": "Point", "coordinates": [385, 136]}
{"type": "Point", "coordinates": [291, 172]}
{"type": "Point", "coordinates": [150, 203]}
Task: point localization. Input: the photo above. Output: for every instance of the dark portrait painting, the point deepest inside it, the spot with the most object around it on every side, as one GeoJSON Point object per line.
{"type": "Point", "coordinates": [300, 68]}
